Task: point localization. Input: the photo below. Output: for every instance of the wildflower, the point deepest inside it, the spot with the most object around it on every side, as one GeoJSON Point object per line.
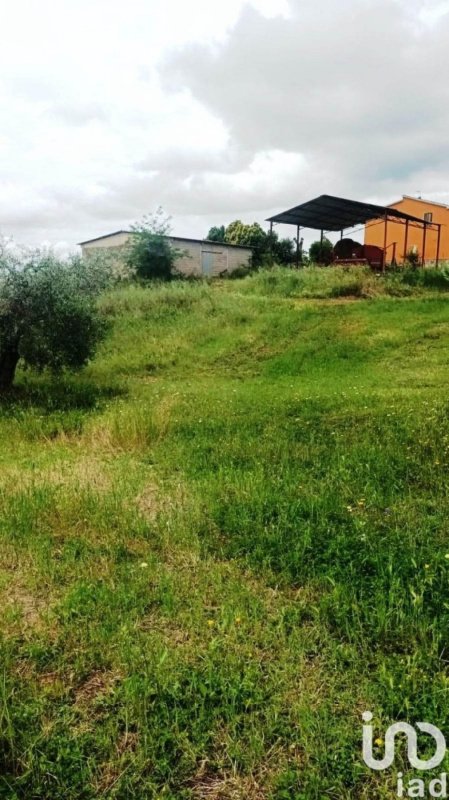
{"type": "Point", "coordinates": [349, 508]}
{"type": "Point", "coordinates": [447, 555]}
{"type": "Point", "coordinates": [143, 565]}
{"type": "Point", "coordinates": [426, 566]}
{"type": "Point", "coordinates": [238, 620]}
{"type": "Point", "coordinates": [211, 623]}
{"type": "Point", "coordinates": [379, 742]}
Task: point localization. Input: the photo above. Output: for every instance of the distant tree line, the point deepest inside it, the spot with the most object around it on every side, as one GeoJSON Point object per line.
{"type": "Point", "coordinates": [267, 247]}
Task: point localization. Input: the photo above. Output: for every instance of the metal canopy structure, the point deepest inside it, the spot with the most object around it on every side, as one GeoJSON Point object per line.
{"type": "Point", "coordinates": [336, 214]}
{"type": "Point", "coordinates": [328, 213]}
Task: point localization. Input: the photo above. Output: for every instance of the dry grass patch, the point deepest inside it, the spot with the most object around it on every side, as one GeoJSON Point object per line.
{"type": "Point", "coordinates": [27, 607]}
{"type": "Point", "coordinates": [156, 499]}
{"type": "Point", "coordinates": [226, 787]}
{"type": "Point", "coordinates": [30, 606]}
{"type": "Point", "coordinates": [150, 502]}
{"type": "Point", "coordinates": [98, 684]}
{"type": "Point", "coordinates": [111, 772]}
{"type": "Point", "coordinates": [173, 635]}
{"type": "Point", "coordinates": [84, 473]}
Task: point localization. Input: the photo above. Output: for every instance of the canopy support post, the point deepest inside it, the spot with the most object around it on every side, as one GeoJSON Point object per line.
{"type": "Point", "coordinates": [384, 259]}
{"type": "Point", "coordinates": [297, 246]}
{"type": "Point", "coordinates": [424, 237]}
{"type": "Point", "coordinates": [405, 241]}
{"type": "Point", "coordinates": [437, 260]}
{"type": "Point", "coordinates": [321, 246]}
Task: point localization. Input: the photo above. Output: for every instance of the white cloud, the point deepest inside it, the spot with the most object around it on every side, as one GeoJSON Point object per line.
{"type": "Point", "coordinates": [431, 12]}
{"type": "Point", "coordinates": [215, 110]}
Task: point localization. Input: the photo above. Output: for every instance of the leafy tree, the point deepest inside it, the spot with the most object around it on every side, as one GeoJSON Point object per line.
{"type": "Point", "coordinates": [282, 250]}
{"type": "Point", "coordinates": [252, 236]}
{"type": "Point", "coordinates": [266, 247]}
{"type": "Point", "coordinates": [48, 313]}
{"type": "Point", "coordinates": [217, 234]}
{"type": "Point", "coordinates": [321, 252]}
{"type": "Point", "coordinates": [150, 254]}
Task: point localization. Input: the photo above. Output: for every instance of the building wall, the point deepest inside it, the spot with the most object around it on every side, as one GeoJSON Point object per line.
{"type": "Point", "coordinates": [118, 240]}
{"type": "Point", "coordinates": [190, 262]}
{"type": "Point", "coordinates": [113, 247]}
{"type": "Point", "coordinates": [374, 231]}
{"type": "Point", "coordinates": [221, 257]}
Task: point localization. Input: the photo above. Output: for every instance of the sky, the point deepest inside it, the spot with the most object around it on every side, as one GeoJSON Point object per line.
{"type": "Point", "coordinates": [215, 110]}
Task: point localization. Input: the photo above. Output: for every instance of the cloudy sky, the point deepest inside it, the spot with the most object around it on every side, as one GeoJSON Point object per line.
{"type": "Point", "coordinates": [215, 109]}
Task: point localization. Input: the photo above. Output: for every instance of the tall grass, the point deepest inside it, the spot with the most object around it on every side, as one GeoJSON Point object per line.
{"type": "Point", "coordinates": [226, 540]}
{"type": "Point", "coordinates": [334, 282]}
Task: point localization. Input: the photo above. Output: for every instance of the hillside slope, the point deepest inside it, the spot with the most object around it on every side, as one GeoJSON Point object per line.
{"type": "Point", "coordinates": [224, 541]}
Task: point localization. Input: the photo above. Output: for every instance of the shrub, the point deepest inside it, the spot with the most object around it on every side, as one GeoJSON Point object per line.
{"type": "Point", "coordinates": [239, 272]}
{"type": "Point", "coordinates": [321, 252]}
{"type": "Point", "coordinates": [430, 278]}
{"type": "Point", "coordinates": [412, 259]}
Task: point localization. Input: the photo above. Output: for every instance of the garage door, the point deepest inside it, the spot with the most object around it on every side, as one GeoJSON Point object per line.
{"type": "Point", "coordinates": [211, 262]}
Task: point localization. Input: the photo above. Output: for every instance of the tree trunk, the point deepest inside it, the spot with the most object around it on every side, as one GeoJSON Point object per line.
{"type": "Point", "coordinates": [8, 363]}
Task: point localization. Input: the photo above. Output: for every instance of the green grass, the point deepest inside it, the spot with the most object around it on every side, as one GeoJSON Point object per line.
{"type": "Point", "coordinates": [226, 539]}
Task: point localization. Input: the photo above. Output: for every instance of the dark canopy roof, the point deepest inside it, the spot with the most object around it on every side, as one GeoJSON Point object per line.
{"type": "Point", "coordinates": [335, 214]}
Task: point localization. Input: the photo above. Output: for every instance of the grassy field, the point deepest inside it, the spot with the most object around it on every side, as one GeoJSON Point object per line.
{"type": "Point", "coordinates": [227, 539]}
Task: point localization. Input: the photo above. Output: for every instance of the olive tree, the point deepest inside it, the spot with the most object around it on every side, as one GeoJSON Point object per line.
{"type": "Point", "coordinates": [48, 313]}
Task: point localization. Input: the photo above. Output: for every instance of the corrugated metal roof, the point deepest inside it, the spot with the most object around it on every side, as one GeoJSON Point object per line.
{"type": "Point", "coordinates": [330, 213]}
{"type": "Point", "coordinates": [175, 238]}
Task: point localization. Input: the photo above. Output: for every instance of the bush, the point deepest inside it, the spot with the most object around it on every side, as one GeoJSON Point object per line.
{"type": "Point", "coordinates": [413, 259]}
{"type": "Point", "coordinates": [430, 278]}
{"type": "Point", "coordinates": [321, 252]}
{"type": "Point", "coordinates": [239, 272]}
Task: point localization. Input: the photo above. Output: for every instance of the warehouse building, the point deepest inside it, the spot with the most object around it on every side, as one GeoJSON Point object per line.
{"type": "Point", "coordinates": [198, 256]}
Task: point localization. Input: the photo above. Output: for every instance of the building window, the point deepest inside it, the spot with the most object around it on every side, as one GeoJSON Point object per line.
{"type": "Point", "coordinates": [428, 216]}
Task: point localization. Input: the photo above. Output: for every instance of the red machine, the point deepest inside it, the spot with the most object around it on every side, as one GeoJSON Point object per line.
{"type": "Point", "coordinates": [351, 253]}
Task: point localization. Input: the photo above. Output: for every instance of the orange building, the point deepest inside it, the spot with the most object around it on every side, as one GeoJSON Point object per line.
{"type": "Point", "coordinates": [404, 238]}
